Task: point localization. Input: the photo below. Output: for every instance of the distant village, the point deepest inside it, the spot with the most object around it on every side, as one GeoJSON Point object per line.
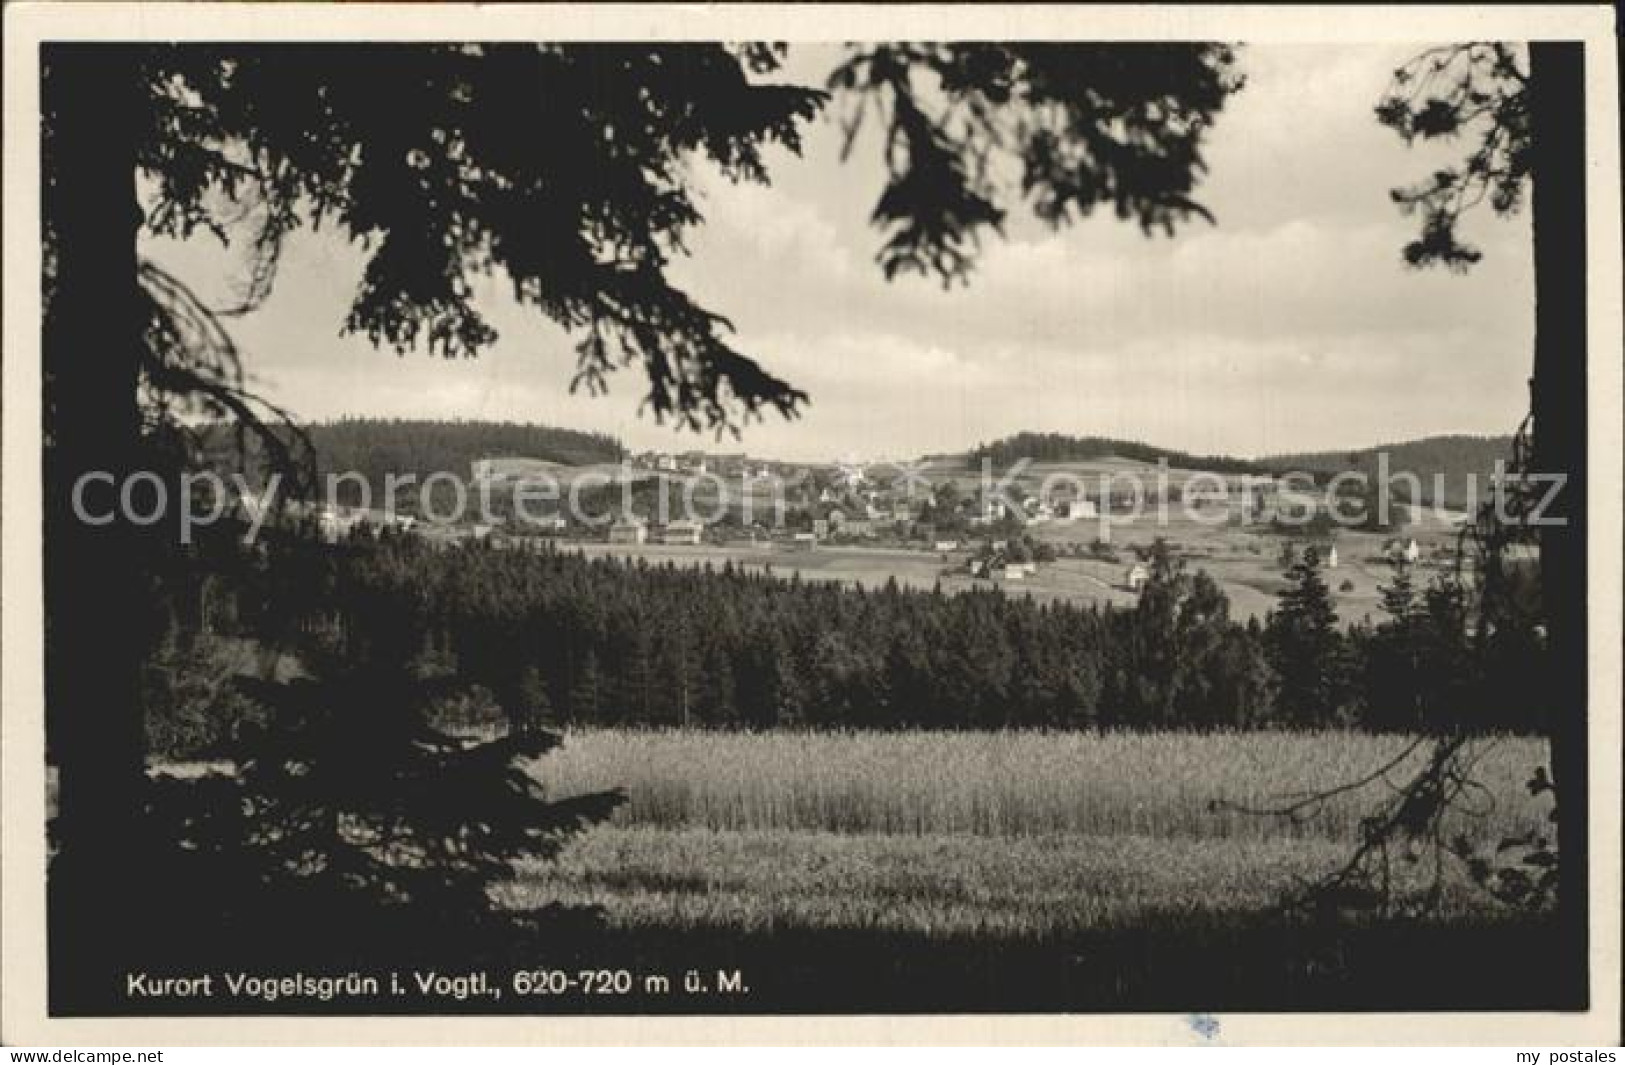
{"type": "Point", "coordinates": [984, 536]}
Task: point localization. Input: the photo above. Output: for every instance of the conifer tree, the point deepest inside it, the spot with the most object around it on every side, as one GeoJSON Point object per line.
{"type": "Point", "coordinates": [1392, 662]}
{"type": "Point", "coordinates": [586, 696]}
{"type": "Point", "coordinates": [1306, 648]}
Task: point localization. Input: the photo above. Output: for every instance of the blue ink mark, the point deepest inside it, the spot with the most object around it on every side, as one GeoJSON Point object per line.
{"type": "Point", "coordinates": [1203, 1024]}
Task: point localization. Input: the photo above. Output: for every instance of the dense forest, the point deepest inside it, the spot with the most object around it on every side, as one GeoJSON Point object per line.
{"type": "Point", "coordinates": [1443, 464]}
{"type": "Point", "coordinates": [552, 637]}
{"type": "Point", "coordinates": [376, 447]}
{"type": "Point", "coordinates": [1060, 447]}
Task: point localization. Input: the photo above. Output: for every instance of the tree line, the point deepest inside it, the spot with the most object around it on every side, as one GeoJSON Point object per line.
{"type": "Point", "coordinates": [1442, 464]}
{"type": "Point", "coordinates": [377, 448]}
{"type": "Point", "coordinates": [555, 638]}
{"type": "Point", "coordinates": [1061, 447]}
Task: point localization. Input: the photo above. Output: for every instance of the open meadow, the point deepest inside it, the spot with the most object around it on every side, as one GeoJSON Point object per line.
{"type": "Point", "coordinates": [1019, 833]}
{"type": "Point", "coordinates": [1244, 563]}
{"type": "Point", "coordinates": [840, 871]}
{"type": "Point", "coordinates": [1230, 544]}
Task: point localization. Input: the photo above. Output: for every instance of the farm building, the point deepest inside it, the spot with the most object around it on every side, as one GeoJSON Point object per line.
{"type": "Point", "coordinates": [337, 522]}
{"type": "Point", "coordinates": [947, 545]}
{"type": "Point", "coordinates": [1136, 577]}
{"type": "Point", "coordinates": [1125, 500]}
{"type": "Point", "coordinates": [1331, 557]}
{"type": "Point", "coordinates": [803, 541]}
{"type": "Point", "coordinates": [1402, 550]}
{"type": "Point", "coordinates": [1014, 571]}
{"type": "Point", "coordinates": [251, 505]}
{"type": "Point", "coordinates": [397, 522]}
{"type": "Point", "coordinates": [329, 524]}
{"type": "Point", "coordinates": [682, 532]}
{"type": "Point", "coordinates": [1075, 509]}
{"type": "Point", "coordinates": [1038, 511]}
{"type": "Point", "coordinates": [820, 528]}
{"type": "Point", "coordinates": [858, 527]}
{"type": "Point", "coordinates": [632, 531]}
{"type": "Point", "coordinates": [1202, 493]}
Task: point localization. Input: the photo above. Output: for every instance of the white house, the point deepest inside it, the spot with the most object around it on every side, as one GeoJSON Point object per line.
{"type": "Point", "coordinates": [253, 505]}
{"type": "Point", "coordinates": [947, 545]}
{"type": "Point", "coordinates": [1406, 551]}
{"type": "Point", "coordinates": [1331, 557]}
{"type": "Point", "coordinates": [682, 532]}
{"type": "Point", "coordinates": [632, 531]}
{"type": "Point", "coordinates": [336, 522]}
{"type": "Point", "coordinates": [329, 524]}
{"type": "Point", "coordinates": [1136, 577]}
{"type": "Point", "coordinates": [1014, 571]}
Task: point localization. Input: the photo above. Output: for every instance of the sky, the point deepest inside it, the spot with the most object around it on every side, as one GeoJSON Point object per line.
{"type": "Point", "coordinates": [1291, 324]}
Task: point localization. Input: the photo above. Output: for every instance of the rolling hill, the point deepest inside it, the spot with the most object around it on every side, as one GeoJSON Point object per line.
{"type": "Point", "coordinates": [1060, 447]}
{"type": "Point", "coordinates": [1449, 467]}
{"type": "Point", "coordinates": [377, 447]}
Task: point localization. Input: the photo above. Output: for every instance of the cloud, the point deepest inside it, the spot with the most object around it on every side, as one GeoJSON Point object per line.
{"type": "Point", "coordinates": [1291, 324]}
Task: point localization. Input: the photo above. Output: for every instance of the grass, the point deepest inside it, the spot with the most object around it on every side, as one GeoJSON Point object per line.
{"type": "Point", "coordinates": [1027, 872]}
{"type": "Point", "coordinates": [1008, 783]}
{"type": "Point", "coordinates": [946, 885]}
{"type": "Point", "coordinates": [1241, 559]}
{"type": "Point", "coordinates": [948, 834]}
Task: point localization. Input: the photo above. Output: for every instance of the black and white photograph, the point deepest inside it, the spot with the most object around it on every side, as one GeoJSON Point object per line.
{"type": "Point", "coordinates": [807, 512]}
